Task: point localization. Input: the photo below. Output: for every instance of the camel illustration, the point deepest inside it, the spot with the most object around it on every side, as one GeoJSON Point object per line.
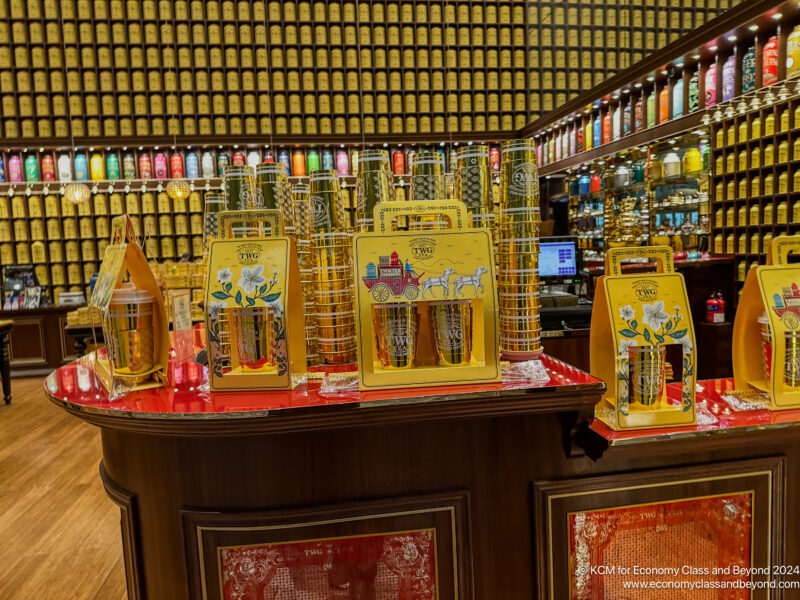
{"type": "Point", "coordinates": [442, 282]}
{"type": "Point", "coordinates": [473, 280]}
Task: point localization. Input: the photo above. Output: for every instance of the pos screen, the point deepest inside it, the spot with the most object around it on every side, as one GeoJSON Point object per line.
{"type": "Point", "coordinates": [557, 258]}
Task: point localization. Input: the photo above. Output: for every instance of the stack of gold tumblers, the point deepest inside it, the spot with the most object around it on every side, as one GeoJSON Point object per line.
{"type": "Point", "coordinates": [301, 201]}
{"type": "Point", "coordinates": [332, 271]}
{"type": "Point", "coordinates": [275, 191]}
{"type": "Point", "coordinates": [373, 185]}
{"type": "Point", "coordinates": [518, 252]}
{"type": "Point", "coordinates": [473, 184]}
{"type": "Point", "coordinates": [239, 184]}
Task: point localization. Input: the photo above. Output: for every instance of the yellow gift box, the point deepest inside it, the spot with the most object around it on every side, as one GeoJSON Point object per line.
{"type": "Point", "coordinates": [425, 300]}
{"type": "Point", "coordinates": [253, 300]}
{"type": "Point", "coordinates": [766, 331]}
{"type": "Point", "coordinates": [123, 256]}
{"type": "Point", "coordinates": [634, 319]}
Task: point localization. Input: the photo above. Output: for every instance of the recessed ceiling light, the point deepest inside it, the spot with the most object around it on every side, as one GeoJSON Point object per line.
{"type": "Point", "coordinates": [637, 85]}
{"type": "Point", "coordinates": [605, 101]}
{"type": "Point", "coordinates": [753, 28]}
{"type": "Point", "coordinates": [651, 78]}
{"type": "Point", "coordinates": [615, 97]}
{"type": "Point", "coordinates": [626, 91]}
{"type": "Point", "coordinates": [777, 16]}
{"type": "Point", "coordinates": [696, 56]}
{"type": "Point", "coordinates": [664, 72]}
{"type": "Point", "coordinates": [732, 38]}
{"type": "Point", "coordinates": [679, 65]}
{"type": "Point", "coordinates": [587, 111]}
{"type": "Point", "coordinates": [713, 48]}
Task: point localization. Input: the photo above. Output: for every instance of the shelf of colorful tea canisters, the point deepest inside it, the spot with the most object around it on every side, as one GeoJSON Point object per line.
{"type": "Point", "coordinates": [260, 140]}
{"type": "Point", "coordinates": [119, 185]}
{"type": "Point", "coordinates": [681, 178]}
{"type": "Point", "coordinates": [634, 187]}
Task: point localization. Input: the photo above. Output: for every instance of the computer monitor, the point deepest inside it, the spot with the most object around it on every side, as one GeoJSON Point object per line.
{"type": "Point", "coordinates": [558, 259]}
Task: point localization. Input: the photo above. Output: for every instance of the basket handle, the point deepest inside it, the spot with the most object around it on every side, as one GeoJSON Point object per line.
{"type": "Point", "coordinates": [781, 248]}
{"type": "Point", "coordinates": [384, 213]}
{"type": "Point", "coordinates": [662, 255]}
{"type": "Point", "coordinates": [122, 230]}
{"type": "Point", "coordinates": [268, 218]}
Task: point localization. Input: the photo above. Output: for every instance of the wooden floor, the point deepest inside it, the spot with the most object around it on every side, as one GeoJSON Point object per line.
{"type": "Point", "coordinates": [59, 532]}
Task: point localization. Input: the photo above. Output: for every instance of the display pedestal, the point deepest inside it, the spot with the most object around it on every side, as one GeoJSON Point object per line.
{"type": "Point", "coordinates": [196, 471]}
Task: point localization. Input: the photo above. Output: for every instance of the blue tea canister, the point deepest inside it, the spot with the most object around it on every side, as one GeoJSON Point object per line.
{"type": "Point", "coordinates": [583, 185]}
{"type": "Point", "coordinates": [327, 160]}
{"type": "Point", "coordinates": [626, 119]}
{"type": "Point", "coordinates": [112, 166]}
{"type": "Point", "coordinates": [192, 165]}
{"type": "Point", "coordinates": [81, 168]}
{"type": "Point", "coordinates": [285, 160]}
{"type": "Point", "coordinates": [597, 132]}
{"type": "Point", "coordinates": [574, 187]}
{"type": "Point", "coordinates": [2, 170]}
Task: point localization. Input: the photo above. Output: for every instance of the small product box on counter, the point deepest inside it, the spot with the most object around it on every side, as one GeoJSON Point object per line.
{"type": "Point", "coordinates": [637, 320]}
{"type": "Point", "coordinates": [766, 332]}
{"type": "Point", "coordinates": [254, 304]}
{"type": "Point", "coordinates": [425, 300]}
{"type": "Point", "coordinates": [135, 322]}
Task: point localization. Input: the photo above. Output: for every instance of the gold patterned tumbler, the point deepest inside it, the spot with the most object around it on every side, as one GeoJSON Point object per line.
{"type": "Point", "coordinates": [451, 321]}
{"type": "Point", "coordinates": [473, 184]}
{"type": "Point", "coordinates": [241, 193]}
{"type": "Point", "coordinates": [373, 185]}
{"type": "Point", "coordinates": [327, 204]}
{"type": "Point", "coordinates": [253, 328]}
{"type": "Point", "coordinates": [646, 369]}
{"type": "Point", "coordinates": [273, 186]}
{"type": "Point", "coordinates": [396, 328]}
{"type": "Point", "coordinates": [129, 331]}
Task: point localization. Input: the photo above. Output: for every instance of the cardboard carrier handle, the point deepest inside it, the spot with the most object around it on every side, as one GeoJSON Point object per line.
{"type": "Point", "coordinates": [781, 248]}
{"type": "Point", "coordinates": [662, 255]}
{"type": "Point", "coordinates": [384, 213]}
{"type": "Point", "coordinates": [122, 230]}
{"type": "Point", "coordinates": [268, 218]}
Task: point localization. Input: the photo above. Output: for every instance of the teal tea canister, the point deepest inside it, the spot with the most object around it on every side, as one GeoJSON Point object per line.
{"type": "Point", "coordinates": [694, 92]}
{"type": "Point", "coordinates": [749, 70]}
{"type": "Point", "coordinates": [112, 166]}
{"type": "Point", "coordinates": [31, 168]}
{"type": "Point", "coordinates": [637, 172]}
{"type": "Point", "coordinates": [328, 163]}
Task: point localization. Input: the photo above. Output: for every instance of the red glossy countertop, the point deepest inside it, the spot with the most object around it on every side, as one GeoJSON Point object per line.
{"type": "Point", "coordinates": [718, 415]}
{"type": "Point", "coordinates": [309, 405]}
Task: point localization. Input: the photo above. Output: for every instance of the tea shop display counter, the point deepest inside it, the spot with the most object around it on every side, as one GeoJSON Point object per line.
{"type": "Point", "coordinates": [221, 493]}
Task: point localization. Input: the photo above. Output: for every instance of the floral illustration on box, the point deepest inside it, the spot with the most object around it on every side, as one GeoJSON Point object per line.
{"type": "Point", "coordinates": [387, 565]}
{"type": "Point", "coordinates": [256, 288]}
{"type": "Point", "coordinates": [657, 328]}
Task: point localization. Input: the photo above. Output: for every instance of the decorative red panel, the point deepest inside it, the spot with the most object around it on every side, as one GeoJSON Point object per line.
{"type": "Point", "coordinates": [697, 533]}
{"type": "Point", "coordinates": [387, 566]}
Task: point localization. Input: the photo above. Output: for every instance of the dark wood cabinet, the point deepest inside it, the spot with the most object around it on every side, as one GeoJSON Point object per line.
{"type": "Point", "coordinates": [38, 343]}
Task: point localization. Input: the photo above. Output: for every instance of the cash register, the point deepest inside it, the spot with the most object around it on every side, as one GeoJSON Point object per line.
{"type": "Point", "coordinates": [559, 270]}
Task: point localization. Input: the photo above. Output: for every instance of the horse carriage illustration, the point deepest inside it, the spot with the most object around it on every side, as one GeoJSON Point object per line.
{"type": "Point", "coordinates": [391, 278]}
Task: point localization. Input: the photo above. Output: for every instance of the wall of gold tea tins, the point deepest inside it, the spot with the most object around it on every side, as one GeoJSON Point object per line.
{"type": "Point", "coordinates": [66, 242]}
{"type": "Point", "coordinates": [150, 68]}
{"type": "Point", "coordinates": [755, 181]}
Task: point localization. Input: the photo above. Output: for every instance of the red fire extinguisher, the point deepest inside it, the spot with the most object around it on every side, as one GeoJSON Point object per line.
{"type": "Point", "coordinates": [715, 308]}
